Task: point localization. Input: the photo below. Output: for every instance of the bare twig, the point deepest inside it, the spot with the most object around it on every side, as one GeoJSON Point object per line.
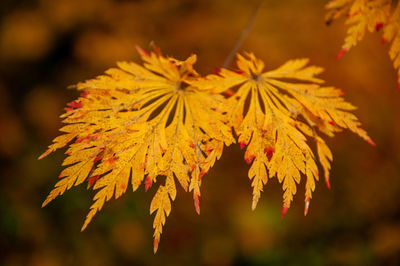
{"type": "Point", "coordinates": [243, 34]}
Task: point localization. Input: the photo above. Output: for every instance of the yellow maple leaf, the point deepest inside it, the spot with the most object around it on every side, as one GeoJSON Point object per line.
{"type": "Point", "coordinates": [138, 123]}
{"type": "Point", "coordinates": [368, 16]}
{"type": "Point", "coordinates": [273, 116]}
{"type": "Point", "coordinates": [362, 16]}
{"type": "Point", "coordinates": [391, 33]}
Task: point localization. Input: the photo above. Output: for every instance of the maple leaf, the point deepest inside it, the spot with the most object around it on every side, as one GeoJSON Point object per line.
{"type": "Point", "coordinates": [369, 15]}
{"type": "Point", "coordinates": [391, 31]}
{"type": "Point", "coordinates": [362, 16]}
{"type": "Point", "coordinates": [273, 117]}
{"type": "Point", "coordinates": [136, 124]}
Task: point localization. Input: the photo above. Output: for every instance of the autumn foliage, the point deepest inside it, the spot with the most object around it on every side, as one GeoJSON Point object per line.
{"type": "Point", "coordinates": [161, 122]}
{"type": "Point", "coordinates": [368, 16]}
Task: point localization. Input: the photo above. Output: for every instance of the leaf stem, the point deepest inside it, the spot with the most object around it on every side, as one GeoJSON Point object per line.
{"type": "Point", "coordinates": [243, 34]}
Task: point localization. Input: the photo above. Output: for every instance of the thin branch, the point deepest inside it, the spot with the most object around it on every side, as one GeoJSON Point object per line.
{"type": "Point", "coordinates": [243, 34]}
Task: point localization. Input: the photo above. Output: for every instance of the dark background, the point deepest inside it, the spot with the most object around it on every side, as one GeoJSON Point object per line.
{"type": "Point", "coordinates": [47, 45]}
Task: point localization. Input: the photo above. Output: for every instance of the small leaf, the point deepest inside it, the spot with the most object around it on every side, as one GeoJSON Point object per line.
{"type": "Point", "coordinates": [369, 16]}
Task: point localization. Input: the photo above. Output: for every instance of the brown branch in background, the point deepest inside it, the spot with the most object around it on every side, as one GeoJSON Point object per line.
{"type": "Point", "coordinates": [243, 34]}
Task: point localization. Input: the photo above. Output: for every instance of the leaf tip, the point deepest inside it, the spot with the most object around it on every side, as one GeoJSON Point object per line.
{"type": "Point", "coordinates": [142, 52]}
{"type": "Point", "coordinates": [84, 226]}
{"type": "Point", "coordinates": [92, 180]}
{"type": "Point", "coordinates": [249, 159]}
{"type": "Point", "coordinates": [74, 105]}
{"type": "Point", "coordinates": [196, 202]}
{"type": "Point", "coordinates": [202, 174]}
{"type": "Point", "coordinates": [84, 94]}
{"type": "Point", "coordinates": [155, 245]}
{"type": "Point", "coordinates": [306, 206]}
{"type": "Point", "coordinates": [341, 53]}
{"type": "Point", "coordinates": [284, 210]}
{"type": "Point", "coordinates": [148, 183]}
{"type": "Point", "coordinates": [371, 142]}
{"type": "Point", "coordinates": [254, 204]}
{"type": "Point", "coordinates": [44, 154]}
{"type": "Point", "coordinates": [156, 49]}
{"type": "Point", "coordinates": [44, 204]}
{"type": "Point", "coordinates": [328, 183]}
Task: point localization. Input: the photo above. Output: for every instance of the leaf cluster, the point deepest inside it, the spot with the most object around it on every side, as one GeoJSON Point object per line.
{"type": "Point", "coordinates": [368, 16]}
{"type": "Point", "coordinates": [162, 122]}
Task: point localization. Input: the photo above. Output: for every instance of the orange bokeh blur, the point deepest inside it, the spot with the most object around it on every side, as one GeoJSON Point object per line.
{"type": "Point", "coordinates": [47, 45]}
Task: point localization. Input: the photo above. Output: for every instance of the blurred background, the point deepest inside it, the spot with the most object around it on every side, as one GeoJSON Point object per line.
{"type": "Point", "coordinates": [47, 45]}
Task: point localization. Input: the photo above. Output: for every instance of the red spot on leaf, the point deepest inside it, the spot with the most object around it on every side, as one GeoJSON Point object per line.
{"type": "Point", "coordinates": [269, 151]}
{"type": "Point", "coordinates": [148, 183]}
{"type": "Point", "coordinates": [383, 41]}
{"type": "Point", "coordinates": [123, 187]}
{"type": "Point", "coordinates": [239, 72]}
{"type": "Point", "coordinates": [209, 150]}
{"type": "Point", "coordinates": [79, 140]}
{"type": "Point", "coordinates": [249, 160]}
{"type": "Point", "coordinates": [331, 123]}
{"type": "Point", "coordinates": [98, 158]}
{"type": "Point", "coordinates": [84, 94]}
{"type": "Point", "coordinates": [74, 104]}
{"type": "Point", "coordinates": [229, 93]}
{"type": "Point", "coordinates": [93, 180]}
{"type": "Point", "coordinates": [191, 145]}
{"type": "Point", "coordinates": [242, 145]}
{"type": "Point", "coordinates": [378, 26]}
{"type": "Point", "coordinates": [342, 92]}
{"type": "Point", "coordinates": [341, 53]}
{"type": "Point", "coordinates": [398, 86]}
{"type": "Point", "coordinates": [111, 160]}
{"type": "Point", "coordinates": [284, 211]}
{"type": "Point", "coordinates": [351, 15]}
{"type": "Point", "coordinates": [202, 174]}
